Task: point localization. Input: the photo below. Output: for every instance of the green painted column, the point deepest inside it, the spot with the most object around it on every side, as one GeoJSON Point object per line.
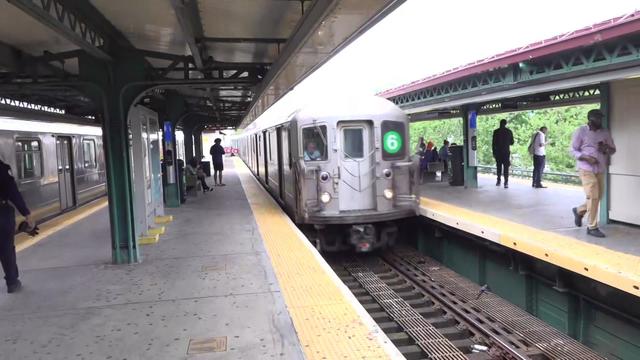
{"type": "Point", "coordinates": [173, 112]}
{"type": "Point", "coordinates": [470, 172]}
{"type": "Point", "coordinates": [605, 107]}
{"type": "Point", "coordinates": [112, 79]}
{"type": "Point", "coordinates": [197, 141]}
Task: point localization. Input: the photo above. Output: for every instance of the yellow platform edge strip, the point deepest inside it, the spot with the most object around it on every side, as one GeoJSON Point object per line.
{"type": "Point", "coordinates": [50, 227]}
{"type": "Point", "coordinates": [329, 322]}
{"type": "Point", "coordinates": [613, 268]}
{"type": "Point", "coordinates": [165, 219]}
{"type": "Point", "coordinates": [148, 240]}
{"type": "Point", "coordinates": [156, 230]}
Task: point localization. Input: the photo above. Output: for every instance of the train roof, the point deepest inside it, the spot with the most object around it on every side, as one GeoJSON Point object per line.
{"type": "Point", "coordinates": [361, 107]}
{"type": "Point", "coordinates": [22, 125]}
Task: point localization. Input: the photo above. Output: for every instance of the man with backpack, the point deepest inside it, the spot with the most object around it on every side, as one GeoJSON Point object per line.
{"type": "Point", "coordinates": [537, 150]}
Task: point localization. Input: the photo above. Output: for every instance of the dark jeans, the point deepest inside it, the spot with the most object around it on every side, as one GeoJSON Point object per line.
{"type": "Point", "coordinates": [7, 247]}
{"type": "Point", "coordinates": [538, 169]}
{"type": "Point", "coordinates": [502, 167]}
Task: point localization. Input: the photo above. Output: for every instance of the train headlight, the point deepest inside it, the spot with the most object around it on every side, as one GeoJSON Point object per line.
{"type": "Point", "coordinates": [387, 173]}
{"type": "Point", "coordinates": [388, 194]}
{"type": "Point", "coordinates": [324, 176]}
{"type": "Point", "coordinates": [325, 197]}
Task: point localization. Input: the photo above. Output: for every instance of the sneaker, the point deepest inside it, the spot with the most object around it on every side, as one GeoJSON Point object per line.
{"type": "Point", "coordinates": [577, 218]}
{"type": "Point", "coordinates": [15, 287]}
{"type": "Point", "coordinates": [506, 185]}
{"type": "Point", "coordinates": [498, 183]}
{"type": "Point", "coordinates": [596, 232]}
{"type": "Point", "coordinates": [540, 186]}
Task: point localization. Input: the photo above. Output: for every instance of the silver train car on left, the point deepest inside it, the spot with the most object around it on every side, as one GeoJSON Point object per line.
{"type": "Point", "coordinates": [57, 166]}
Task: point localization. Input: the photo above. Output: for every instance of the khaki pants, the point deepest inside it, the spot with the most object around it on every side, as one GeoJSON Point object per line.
{"type": "Point", "coordinates": [593, 185]}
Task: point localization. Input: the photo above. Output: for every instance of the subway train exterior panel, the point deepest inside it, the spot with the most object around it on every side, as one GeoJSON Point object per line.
{"type": "Point", "coordinates": [343, 167]}
{"type": "Point", "coordinates": [56, 166]}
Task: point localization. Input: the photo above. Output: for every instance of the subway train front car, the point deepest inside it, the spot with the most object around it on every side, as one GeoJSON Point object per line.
{"type": "Point", "coordinates": [342, 168]}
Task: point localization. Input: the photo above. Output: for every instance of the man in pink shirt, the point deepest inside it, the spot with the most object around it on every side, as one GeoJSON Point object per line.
{"type": "Point", "coordinates": [591, 146]}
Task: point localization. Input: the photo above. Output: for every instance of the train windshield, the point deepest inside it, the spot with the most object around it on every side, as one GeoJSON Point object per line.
{"type": "Point", "coordinates": [314, 142]}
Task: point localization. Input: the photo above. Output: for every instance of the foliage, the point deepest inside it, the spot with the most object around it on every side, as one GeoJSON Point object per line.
{"type": "Point", "coordinates": [561, 122]}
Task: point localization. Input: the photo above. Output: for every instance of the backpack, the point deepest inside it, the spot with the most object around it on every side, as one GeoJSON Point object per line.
{"type": "Point", "coordinates": [532, 144]}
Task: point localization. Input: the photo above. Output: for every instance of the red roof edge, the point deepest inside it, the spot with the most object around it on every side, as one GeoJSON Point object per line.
{"type": "Point", "coordinates": [605, 30]}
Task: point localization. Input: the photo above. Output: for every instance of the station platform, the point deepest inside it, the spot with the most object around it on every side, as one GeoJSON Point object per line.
{"type": "Point", "coordinates": [539, 223]}
{"type": "Point", "coordinates": [231, 278]}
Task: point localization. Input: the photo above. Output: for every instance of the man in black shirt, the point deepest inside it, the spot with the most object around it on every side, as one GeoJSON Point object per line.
{"type": "Point", "coordinates": [217, 151]}
{"type": "Point", "coordinates": [502, 141]}
{"type": "Point", "coordinates": [9, 194]}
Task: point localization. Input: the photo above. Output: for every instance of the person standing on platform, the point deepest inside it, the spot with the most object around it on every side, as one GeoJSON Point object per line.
{"type": "Point", "coordinates": [217, 151]}
{"type": "Point", "coordinates": [444, 155]}
{"type": "Point", "coordinates": [9, 194]}
{"type": "Point", "coordinates": [538, 147]}
{"type": "Point", "coordinates": [591, 145]}
{"type": "Point", "coordinates": [501, 147]}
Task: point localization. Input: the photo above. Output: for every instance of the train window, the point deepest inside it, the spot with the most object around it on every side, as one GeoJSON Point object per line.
{"type": "Point", "coordinates": [28, 159]}
{"type": "Point", "coordinates": [314, 139]}
{"type": "Point", "coordinates": [353, 143]}
{"type": "Point", "coordinates": [393, 141]}
{"type": "Point", "coordinates": [89, 153]}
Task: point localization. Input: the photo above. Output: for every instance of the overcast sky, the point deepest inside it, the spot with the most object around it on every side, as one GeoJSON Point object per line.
{"type": "Point", "coordinates": [424, 37]}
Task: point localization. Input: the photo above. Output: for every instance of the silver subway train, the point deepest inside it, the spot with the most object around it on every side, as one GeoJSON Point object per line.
{"type": "Point", "coordinates": [343, 167]}
{"type": "Point", "coordinates": [56, 166]}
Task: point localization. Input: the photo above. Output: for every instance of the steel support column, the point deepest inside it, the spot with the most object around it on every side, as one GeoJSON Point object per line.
{"type": "Point", "coordinates": [197, 141]}
{"type": "Point", "coordinates": [112, 78]}
{"type": "Point", "coordinates": [174, 111]}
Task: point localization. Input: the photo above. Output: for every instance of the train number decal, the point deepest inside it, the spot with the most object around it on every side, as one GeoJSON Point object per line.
{"type": "Point", "coordinates": [392, 142]}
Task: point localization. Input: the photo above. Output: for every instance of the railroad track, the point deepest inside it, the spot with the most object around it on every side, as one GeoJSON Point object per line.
{"type": "Point", "coordinates": [430, 312]}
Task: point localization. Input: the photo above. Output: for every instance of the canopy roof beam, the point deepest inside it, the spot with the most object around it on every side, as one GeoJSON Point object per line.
{"type": "Point", "coordinates": [66, 22]}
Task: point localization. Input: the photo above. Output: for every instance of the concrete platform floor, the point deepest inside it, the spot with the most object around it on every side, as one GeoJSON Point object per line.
{"type": "Point", "coordinates": [209, 276]}
{"type": "Point", "coordinates": [546, 209]}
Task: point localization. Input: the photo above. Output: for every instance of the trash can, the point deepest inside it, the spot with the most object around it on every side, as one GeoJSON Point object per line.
{"type": "Point", "coordinates": [457, 166]}
{"type": "Point", "coordinates": [206, 167]}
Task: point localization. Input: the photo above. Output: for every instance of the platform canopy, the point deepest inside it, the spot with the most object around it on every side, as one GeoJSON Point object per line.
{"type": "Point", "coordinates": [229, 59]}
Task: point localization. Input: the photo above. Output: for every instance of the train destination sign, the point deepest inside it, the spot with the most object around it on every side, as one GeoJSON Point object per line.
{"type": "Point", "coordinates": [392, 142]}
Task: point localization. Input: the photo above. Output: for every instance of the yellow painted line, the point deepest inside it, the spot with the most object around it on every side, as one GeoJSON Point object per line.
{"type": "Point", "coordinates": [50, 227]}
{"type": "Point", "coordinates": [149, 239]}
{"type": "Point", "coordinates": [328, 320]}
{"type": "Point", "coordinates": [613, 268]}
{"type": "Point", "coordinates": [156, 231]}
{"type": "Point", "coordinates": [163, 219]}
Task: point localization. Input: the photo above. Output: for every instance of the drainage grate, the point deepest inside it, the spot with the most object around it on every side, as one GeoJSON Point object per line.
{"type": "Point", "coordinates": [207, 345]}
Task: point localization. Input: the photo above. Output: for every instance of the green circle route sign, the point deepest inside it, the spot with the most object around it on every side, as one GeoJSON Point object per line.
{"type": "Point", "coordinates": [392, 142]}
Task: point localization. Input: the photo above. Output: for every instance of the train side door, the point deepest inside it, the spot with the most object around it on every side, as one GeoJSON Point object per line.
{"type": "Point", "coordinates": [64, 151]}
{"type": "Point", "coordinates": [357, 152]}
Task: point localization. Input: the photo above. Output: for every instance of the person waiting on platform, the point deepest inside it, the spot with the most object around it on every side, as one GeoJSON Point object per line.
{"type": "Point", "coordinates": [537, 149]}
{"type": "Point", "coordinates": [194, 169]}
{"type": "Point", "coordinates": [500, 146]}
{"type": "Point", "coordinates": [9, 194]}
{"type": "Point", "coordinates": [217, 151]}
{"type": "Point", "coordinates": [311, 152]}
{"type": "Point", "coordinates": [421, 147]}
{"type": "Point", "coordinates": [444, 155]}
{"type": "Point", "coordinates": [592, 146]}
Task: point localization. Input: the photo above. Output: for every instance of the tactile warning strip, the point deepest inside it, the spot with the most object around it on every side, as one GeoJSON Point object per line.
{"type": "Point", "coordinates": [329, 325]}
{"type": "Point", "coordinates": [613, 268]}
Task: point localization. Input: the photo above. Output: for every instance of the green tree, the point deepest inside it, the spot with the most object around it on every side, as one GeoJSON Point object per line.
{"type": "Point", "coordinates": [561, 122]}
